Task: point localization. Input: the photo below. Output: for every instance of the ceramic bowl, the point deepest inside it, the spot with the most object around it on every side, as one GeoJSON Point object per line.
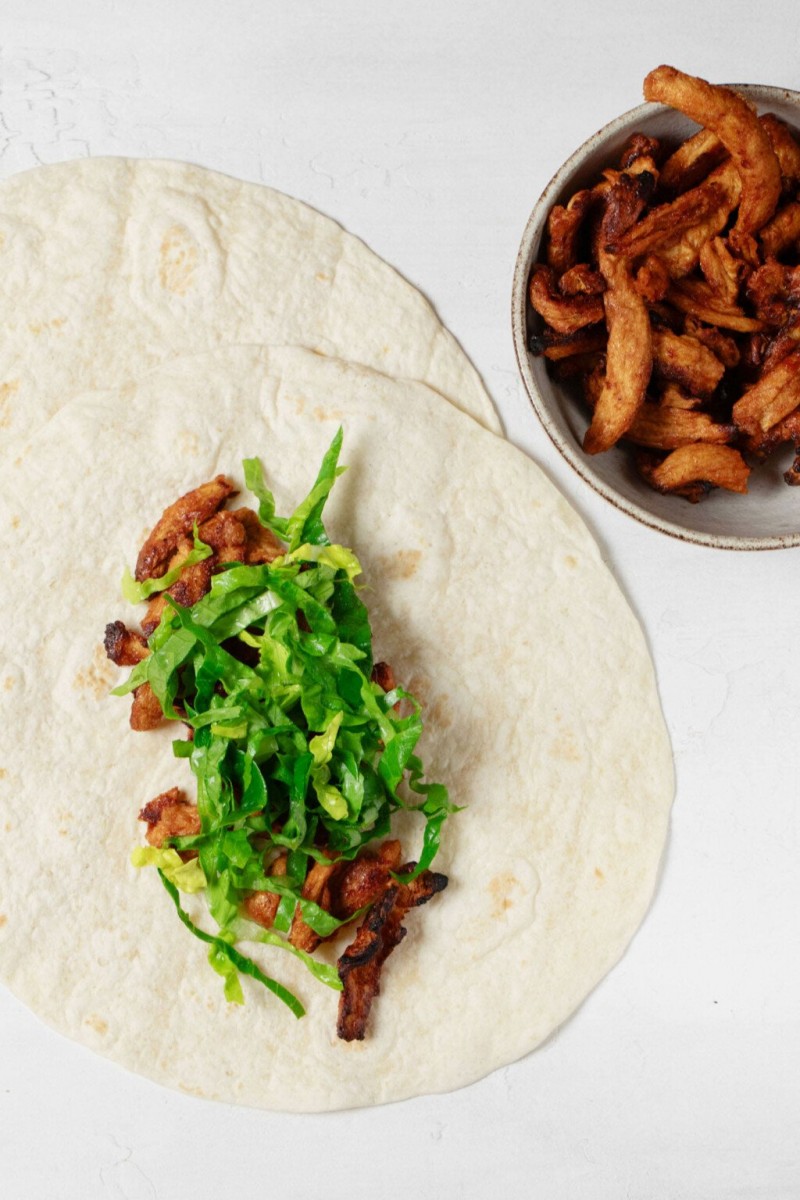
{"type": "Point", "coordinates": [768, 517]}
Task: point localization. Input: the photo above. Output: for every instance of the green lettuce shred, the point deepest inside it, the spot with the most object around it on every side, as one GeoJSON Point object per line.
{"type": "Point", "coordinates": [187, 876]}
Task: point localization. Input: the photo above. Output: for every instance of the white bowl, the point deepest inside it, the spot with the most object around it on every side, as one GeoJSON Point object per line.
{"type": "Point", "coordinates": [768, 517]}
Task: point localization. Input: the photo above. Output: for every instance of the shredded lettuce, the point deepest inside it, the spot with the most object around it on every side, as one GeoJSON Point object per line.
{"type": "Point", "coordinates": [187, 876]}
{"type": "Point", "coordinates": [294, 747]}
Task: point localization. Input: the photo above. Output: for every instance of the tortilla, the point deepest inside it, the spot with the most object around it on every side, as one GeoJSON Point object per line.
{"type": "Point", "coordinates": [111, 266]}
{"type": "Point", "coordinates": [489, 598]}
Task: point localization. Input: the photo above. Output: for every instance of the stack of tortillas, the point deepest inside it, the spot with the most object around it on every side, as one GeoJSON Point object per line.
{"type": "Point", "coordinates": [158, 323]}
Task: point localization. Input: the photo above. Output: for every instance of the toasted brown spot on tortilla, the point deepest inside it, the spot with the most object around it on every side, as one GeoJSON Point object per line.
{"type": "Point", "coordinates": [98, 677]}
{"type": "Point", "coordinates": [97, 1024]}
{"type": "Point", "coordinates": [8, 683]}
{"type": "Point", "coordinates": [188, 442]}
{"type": "Point", "coordinates": [401, 565]}
{"type": "Point", "coordinates": [40, 326]}
{"type": "Point", "coordinates": [571, 560]}
{"type": "Point", "coordinates": [565, 747]}
{"type": "Point", "coordinates": [7, 390]}
{"type": "Point", "coordinates": [420, 688]}
{"type": "Point", "coordinates": [499, 888]}
{"type": "Point", "coordinates": [3, 920]}
{"type": "Point", "coordinates": [599, 874]}
{"type": "Point", "coordinates": [300, 405]}
{"type": "Point", "coordinates": [179, 257]}
{"type": "Point", "coordinates": [322, 276]}
{"type": "Point", "coordinates": [439, 713]}
{"type": "Point", "coordinates": [3, 772]}
{"type": "Point", "coordinates": [327, 414]}
{"type": "Point", "coordinates": [15, 521]}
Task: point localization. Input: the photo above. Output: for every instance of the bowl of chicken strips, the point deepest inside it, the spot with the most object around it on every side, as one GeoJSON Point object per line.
{"type": "Point", "coordinates": [656, 311]}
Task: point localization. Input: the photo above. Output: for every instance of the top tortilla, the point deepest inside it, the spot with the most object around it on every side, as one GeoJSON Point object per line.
{"type": "Point", "coordinates": [490, 599]}
{"type": "Point", "coordinates": [111, 266]}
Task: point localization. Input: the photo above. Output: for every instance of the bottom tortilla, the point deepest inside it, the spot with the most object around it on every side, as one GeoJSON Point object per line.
{"type": "Point", "coordinates": [489, 598]}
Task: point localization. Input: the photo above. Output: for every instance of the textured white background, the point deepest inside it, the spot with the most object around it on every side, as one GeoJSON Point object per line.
{"type": "Point", "coordinates": [429, 130]}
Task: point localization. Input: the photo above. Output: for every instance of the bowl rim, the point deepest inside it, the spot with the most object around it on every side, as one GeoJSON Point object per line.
{"type": "Point", "coordinates": [579, 462]}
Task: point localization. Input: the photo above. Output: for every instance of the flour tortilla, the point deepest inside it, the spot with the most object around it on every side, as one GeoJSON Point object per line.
{"type": "Point", "coordinates": [112, 266]}
{"type": "Point", "coordinates": [488, 596]}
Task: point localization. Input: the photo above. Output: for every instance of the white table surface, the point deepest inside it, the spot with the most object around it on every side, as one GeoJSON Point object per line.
{"type": "Point", "coordinates": [429, 129]}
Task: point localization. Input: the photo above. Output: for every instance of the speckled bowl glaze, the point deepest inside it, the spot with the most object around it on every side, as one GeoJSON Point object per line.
{"type": "Point", "coordinates": [768, 517]}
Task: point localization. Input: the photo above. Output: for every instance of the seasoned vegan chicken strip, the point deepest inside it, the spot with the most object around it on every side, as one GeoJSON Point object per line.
{"type": "Point", "coordinates": [170, 815]}
{"type": "Point", "coordinates": [125, 647]}
{"type": "Point", "coordinates": [146, 711]}
{"type": "Point", "coordinates": [382, 929]}
{"type": "Point", "coordinates": [177, 521]}
{"type": "Point", "coordinates": [726, 114]}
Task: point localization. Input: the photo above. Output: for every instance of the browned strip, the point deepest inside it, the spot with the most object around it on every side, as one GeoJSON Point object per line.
{"type": "Point", "coordinates": [725, 113]}
{"type": "Point", "coordinates": [624, 201]}
{"type": "Point", "coordinates": [581, 280]}
{"type": "Point", "coordinates": [774, 292]}
{"type": "Point", "coordinates": [723, 271]}
{"type": "Point", "coordinates": [666, 428]}
{"type": "Point", "coordinates": [652, 280]}
{"type": "Point", "coordinates": [680, 254]}
{"type": "Point", "coordinates": [639, 146]}
{"type": "Point", "coordinates": [557, 346]}
{"type": "Point", "coordinates": [262, 546]}
{"type": "Point", "coordinates": [563, 231]}
{"type": "Point", "coordinates": [146, 712]}
{"type": "Point", "coordinates": [673, 396]}
{"type": "Point", "coordinates": [177, 521]}
{"type": "Point", "coordinates": [718, 342]}
{"type": "Point", "coordinates": [783, 231]}
{"type": "Point", "coordinates": [785, 145]}
{"type": "Point", "coordinates": [773, 397]}
{"type": "Point", "coordinates": [691, 471]}
{"type": "Point", "coordinates": [170, 815]}
{"type": "Point", "coordinates": [124, 646]}
{"type": "Point", "coordinates": [225, 534]}
{"type": "Point", "coordinates": [696, 298]}
{"type": "Point", "coordinates": [686, 361]}
{"type": "Point", "coordinates": [787, 430]}
{"type": "Point", "coordinates": [692, 162]}
{"type": "Point", "coordinates": [382, 929]}
{"type": "Point", "coordinates": [578, 365]}
{"type": "Point", "coordinates": [262, 906]}
{"type": "Point", "coordinates": [360, 965]}
{"type": "Point", "coordinates": [316, 888]}
{"type": "Point", "coordinates": [667, 222]}
{"type": "Point", "coordinates": [629, 361]}
{"type": "Point", "coordinates": [364, 880]}
{"type": "Point", "coordinates": [782, 344]}
{"type": "Point", "coordinates": [565, 314]}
